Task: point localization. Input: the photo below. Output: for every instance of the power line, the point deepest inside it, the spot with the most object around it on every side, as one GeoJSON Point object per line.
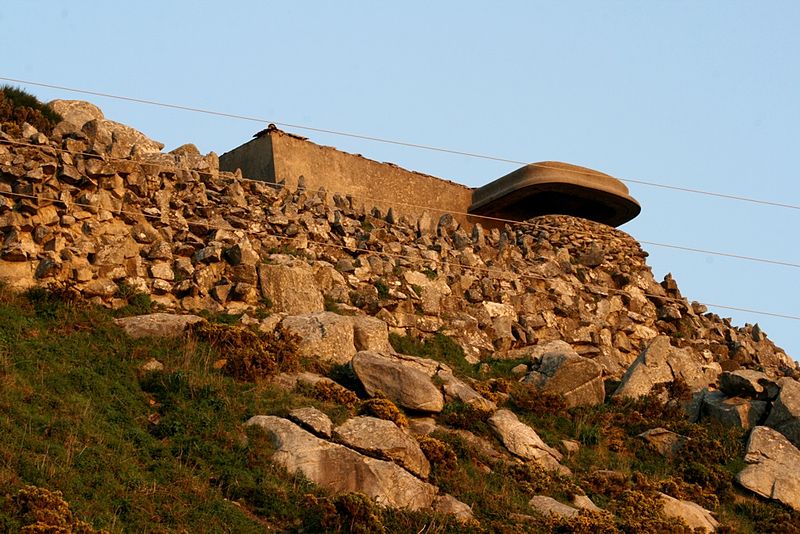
{"type": "Point", "coordinates": [537, 225]}
{"type": "Point", "coordinates": [346, 248]}
{"type": "Point", "coordinates": [399, 143]}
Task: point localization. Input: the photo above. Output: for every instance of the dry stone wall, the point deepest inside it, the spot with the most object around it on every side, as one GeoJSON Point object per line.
{"type": "Point", "coordinates": [75, 213]}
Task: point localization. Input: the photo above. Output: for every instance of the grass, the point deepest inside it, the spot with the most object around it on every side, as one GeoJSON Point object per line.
{"type": "Point", "coordinates": [166, 451]}
{"type": "Point", "coordinates": [439, 347]}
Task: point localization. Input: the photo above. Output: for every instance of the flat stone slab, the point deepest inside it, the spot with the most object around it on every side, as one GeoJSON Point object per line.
{"type": "Point", "coordinates": [772, 470]}
{"type": "Point", "coordinates": [343, 470]}
{"type": "Point", "coordinates": [157, 324]}
{"type": "Point", "coordinates": [551, 187]}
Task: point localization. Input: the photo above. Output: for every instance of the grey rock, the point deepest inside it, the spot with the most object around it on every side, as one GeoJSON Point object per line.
{"type": "Point", "coordinates": [290, 287]}
{"type": "Point", "coordinates": [748, 383]}
{"type": "Point", "coordinates": [384, 439]}
{"type": "Point", "coordinates": [732, 411]}
{"type": "Point", "coordinates": [523, 441]}
{"type": "Point", "coordinates": [449, 505]}
{"type": "Point", "coordinates": [562, 371]}
{"type": "Point", "coordinates": [323, 335]}
{"type": "Point", "coordinates": [157, 325]}
{"type": "Point", "coordinates": [695, 516]}
{"type": "Point", "coordinates": [772, 470]}
{"type": "Point", "coordinates": [313, 420]}
{"type": "Point", "coordinates": [402, 379]}
{"type": "Point", "coordinates": [661, 363]}
{"type": "Point", "coordinates": [785, 414]}
{"type": "Point", "coordinates": [547, 505]}
{"type": "Point", "coordinates": [663, 441]}
{"type": "Point", "coordinates": [342, 470]}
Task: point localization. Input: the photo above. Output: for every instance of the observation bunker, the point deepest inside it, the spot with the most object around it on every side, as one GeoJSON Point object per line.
{"type": "Point", "coordinates": [545, 188]}
{"type": "Point", "coordinates": [552, 187]}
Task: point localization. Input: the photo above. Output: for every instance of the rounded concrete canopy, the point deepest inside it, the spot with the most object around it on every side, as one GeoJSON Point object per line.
{"type": "Point", "coordinates": [552, 187]}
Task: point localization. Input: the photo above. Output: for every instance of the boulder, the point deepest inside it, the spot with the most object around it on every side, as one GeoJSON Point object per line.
{"type": "Point", "coordinates": [772, 470]}
{"type": "Point", "coordinates": [455, 388]}
{"type": "Point", "coordinates": [785, 414]}
{"type": "Point", "coordinates": [562, 371]}
{"type": "Point", "coordinates": [342, 470]}
{"type": "Point", "coordinates": [695, 516]}
{"type": "Point", "coordinates": [663, 441]}
{"type": "Point", "coordinates": [733, 411]}
{"type": "Point", "coordinates": [323, 335]}
{"type": "Point", "coordinates": [370, 333]}
{"type": "Point", "coordinates": [402, 379]}
{"type": "Point", "coordinates": [313, 420]}
{"type": "Point", "coordinates": [449, 505]}
{"type": "Point", "coordinates": [77, 112]}
{"type": "Point", "coordinates": [385, 440]}
{"type": "Point", "coordinates": [119, 140]}
{"type": "Point", "coordinates": [157, 325]}
{"type": "Point", "coordinates": [522, 441]}
{"type": "Point", "coordinates": [748, 383]}
{"type": "Point", "coordinates": [661, 363]}
{"type": "Point", "coordinates": [547, 505]}
{"type": "Point", "coordinates": [290, 287]}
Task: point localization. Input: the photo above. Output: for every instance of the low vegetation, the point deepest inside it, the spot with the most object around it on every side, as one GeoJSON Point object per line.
{"type": "Point", "coordinates": [17, 107]}
{"type": "Point", "coordinates": [90, 442]}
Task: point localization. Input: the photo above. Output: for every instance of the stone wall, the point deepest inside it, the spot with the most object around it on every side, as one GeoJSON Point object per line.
{"type": "Point", "coordinates": [174, 227]}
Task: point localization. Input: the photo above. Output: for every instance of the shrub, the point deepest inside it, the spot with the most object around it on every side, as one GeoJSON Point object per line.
{"type": "Point", "coordinates": [440, 454]}
{"type": "Point", "coordinates": [439, 347]}
{"type": "Point", "coordinates": [529, 398]}
{"type": "Point", "coordinates": [383, 408]}
{"type": "Point", "coordinates": [17, 106]}
{"type": "Point", "coordinates": [250, 354]}
{"type": "Point", "coordinates": [459, 414]}
{"type": "Point", "coordinates": [329, 392]}
{"type": "Point", "coordinates": [42, 510]}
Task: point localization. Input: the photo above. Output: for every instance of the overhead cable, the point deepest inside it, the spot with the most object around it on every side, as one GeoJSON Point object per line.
{"type": "Point", "coordinates": [398, 142]}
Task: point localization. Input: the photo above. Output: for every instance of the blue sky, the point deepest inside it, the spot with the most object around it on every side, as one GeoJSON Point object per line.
{"type": "Point", "coordinates": [687, 93]}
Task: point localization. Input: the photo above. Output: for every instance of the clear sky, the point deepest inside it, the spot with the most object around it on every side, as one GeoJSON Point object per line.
{"type": "Point", "coordinates": [698, 94]}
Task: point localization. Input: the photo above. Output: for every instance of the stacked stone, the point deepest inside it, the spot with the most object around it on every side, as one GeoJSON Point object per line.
{"type": "Point", "coordinates": [81, 209]}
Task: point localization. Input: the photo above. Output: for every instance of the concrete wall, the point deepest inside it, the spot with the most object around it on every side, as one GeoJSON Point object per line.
{"type": "Point", "coordinates": [278, 157]}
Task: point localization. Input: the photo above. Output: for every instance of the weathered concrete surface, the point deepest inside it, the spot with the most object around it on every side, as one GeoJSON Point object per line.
{"type": "Point", "coordinates": [278, 157]}
{"type": "Point", "coordinates": [553, 187]}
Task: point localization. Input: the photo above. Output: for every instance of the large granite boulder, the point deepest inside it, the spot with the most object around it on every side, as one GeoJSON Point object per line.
{"type": "Point", "coordinates": [523, 441]}
{"type": "Point", "coordinates": [661, 363]}
{"type": "Point", "coordinates": [732, 411]}
{"type": "Point", "coordinates": [748, 383]}
{"type": "Point", "coordinates": [405, 380]}
{"type": "Point", "coordinates": [772, 470]}
{"type": "Point", "coordinates": [562, 371]}
{"type": "Point", "coordinates": [323, 335]}
{"type": "Point", "coordinates": [343, 470]}
{"type": "Point", "coordinates": [384, 439]}
{"type": "Point", "coordinates": [785, 414]}
{"type": "Point", "coordinates": [289, 287]}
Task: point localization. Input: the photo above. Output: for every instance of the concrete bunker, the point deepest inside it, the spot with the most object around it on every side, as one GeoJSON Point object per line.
{"type": "Point", "coordinates": [552, 187]}
{"type": "Point", "coordinates": [536, 189]}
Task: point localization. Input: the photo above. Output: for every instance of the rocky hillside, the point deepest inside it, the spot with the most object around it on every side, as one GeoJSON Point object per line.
{"type": "Point", "coordinates": [543, 357]}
